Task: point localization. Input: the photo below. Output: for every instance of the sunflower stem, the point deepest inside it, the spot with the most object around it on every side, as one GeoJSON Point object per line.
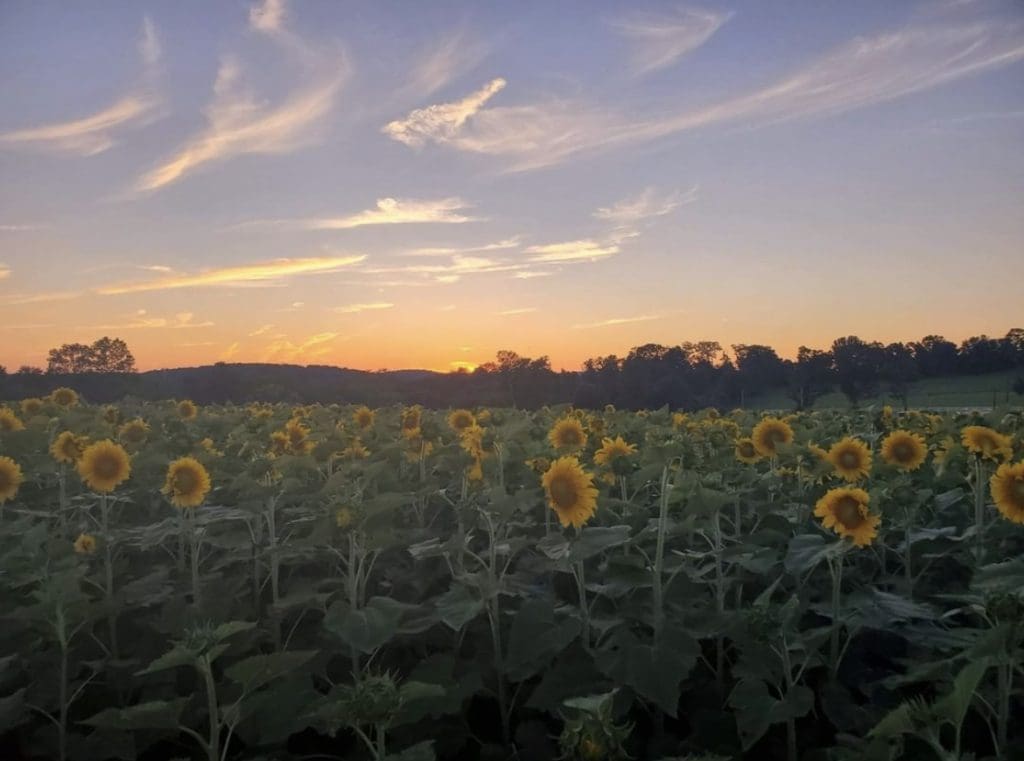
{"type": "Point", "coordinates": [835, 567]}
{"type": "Point", "coordinates": [108, 570]}
{"type": "Point", "coordinates": [193, 536]}
{"type": "Point", "coordinates": [979, 510]}
{"type": "Point", "coordinates": [1005, 679]}
{"type": "Point", "coordinates": [659, 558]}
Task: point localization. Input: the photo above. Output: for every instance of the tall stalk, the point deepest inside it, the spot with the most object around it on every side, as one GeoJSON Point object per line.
{"type": "Point", "coordinates": [659, 559]}
{"type": "Point", "coordinates": [108, 572]}
{"type": "Point", "coordinates": [835, 566]}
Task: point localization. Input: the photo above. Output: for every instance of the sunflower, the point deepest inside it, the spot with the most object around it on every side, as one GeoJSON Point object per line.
{"type": "Point", "coordinates": [112, 414]}
{"type": "Point", "coordinates": [411, 422]}
{"type": "Point", "coordinates": [818, 452]}
{"type": "Point", "coordinates": [297, 435]}
{"type": "Point", "coordinates": [85, 544]}
{"type": "Point", "coordinates": [68, 447]}
{"type": "Point", "coordinates": [187, 483]}
{"type": "Point", "coordinates": [31, 406]}
{"type": "Point", "coordinates": [769, 434]}
{"type": "Point", "coordinates": [987, 443]}
{"type": "Point", "coordinates": [363, 417]}
{"type": "Point", "coordinates": [278, 443]}
{"type": "Point", "coordinates": [475, 472]}
{"type": "Point", "coordinates": [472, 441]}
{"type": "Point", "coordinates": [64, 397]}
{"type": "Point", "coordinates": [460, 420]}
{"type": "Point", "coordinates": [746, 451]}
{"type": "Point", "coordinates": [570, 491]}
{"type": "Point", "coordinates": [905, 450]}
{"type": "Point", "coordinates": [134, 431]}
{"type": "Point", "coordinates": [10, 478]}
{"type": "Point", "coordinates": [851, 458]}
{"type": "Point", "coordinates": [1007, 486]}
{"type": "Point", "coordinates": [355, 451]}
{"type": "Point", "coordinates": [679, 420]}
{"type": "Point", "coordinates": [613, 450]}
{"type": "Point", "coordinates": [9, 421]}
{"type": "Point", "coordinates": [567, 435]}
{"type": "Point", "coordinates": [483, 416]}
{"type": "Point", "coordinates": [538, 465]}
{"type": "Point", "coordinates": [845, 511]}
{"type": "Point", "coordinates": [104, 465]}
{"type": "Point", "coordinates": [344, 517]}
{"type": "Point", "coordinates": [187, 409]}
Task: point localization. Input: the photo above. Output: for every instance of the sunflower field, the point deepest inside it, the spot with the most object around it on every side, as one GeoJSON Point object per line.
{"type": "Point", "coordinates": [334, 582]}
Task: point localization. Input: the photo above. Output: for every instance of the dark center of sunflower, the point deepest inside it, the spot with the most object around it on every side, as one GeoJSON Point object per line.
{"type": "Point", "coordinates": [6, 482]}
{"type": "Point", "coordinates": [1018, 488]}
{"type": "Point", "coordinates": [848, 512]}
{"type": "Point", "coordinates": [903, 452]}
{"type": "Point", "coordinates": [570, 437]}
{"type": "Point", "coordinates": [107, 466]}
{"type": "Point", "coordinates": [185, 481]}
{"type": "Point", "coordinates": [563, 492]}
{"type": "Point", "coordinates": [747, 449]}
{"type": "Point", "coordinates": [849, 459]}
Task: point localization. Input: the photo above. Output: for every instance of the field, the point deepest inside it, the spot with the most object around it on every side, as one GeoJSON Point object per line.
{"type": "Point", "coordinates": [270, 582]}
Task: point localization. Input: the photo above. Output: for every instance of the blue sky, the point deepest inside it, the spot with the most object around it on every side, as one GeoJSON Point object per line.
{"type": "Point", "coordinates": [419, 185]}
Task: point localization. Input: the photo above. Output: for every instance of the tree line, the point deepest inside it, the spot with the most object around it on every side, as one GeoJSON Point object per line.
{"type": "Point", "coordinates": [689, 375]}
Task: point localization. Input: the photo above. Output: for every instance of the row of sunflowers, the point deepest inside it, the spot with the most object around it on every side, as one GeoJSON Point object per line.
{"type": "Point", "coordinates": [263, 581]}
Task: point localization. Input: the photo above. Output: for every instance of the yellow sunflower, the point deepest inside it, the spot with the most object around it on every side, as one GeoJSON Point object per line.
{"type": "Point", "coordinates": [187, 409]}
{"type": "Point", "coordinates": [845, 511]}
{"type": "Point", "coordinates": [1007, 486]}
{"type": "Point", "coordinates": [472, 441]}
{"type": "Point", "coordinates": [746, 451]}
{"type": "Point", "coordinates": [134, 431]}
{"type": "Point", "coordinates": [538, 465]}
{"type": "Point", "coordinates": [104, 465]}
{"type": "Point", "coordinates": [483, 416]}
{"type": "Point", "coordinates": [363, 417]}
{"type": "Point", "coordinates": [679, 420]}
{"type": "Point", "coordinates": [460, 420]}
{"type": "Point", "coordinates": [85, 544]}
{"type": "Point", "coordinates": [567, 435]}
{"type": "Point", "coordinates": [818, 452]}
{"type": "Point", "coordinates": [10, 478]}
{"type": "Point", "coordinates": [570, 491]}
{"type": "Point", "coordinates": [187, 483]}
{"type": "Point", "coordinates": [112, 414]}
{"type": "Point", "coordinates": [31, 406]}
{"type": "Point", "coordinates": [64, 397]}
{"type": "Point", "coordinates": [68, 447]}
{"type": "Point", "coordinates": [769, 434]}
{"type": "Point", "coordinates": [355, 451]}
{"type": "Point", "coordinates": [9, 421]}
{"type": "Point", "coordinates": [278, 443]}
{"type": "Point", "coordinates": [905, 450]}
{"type": "Point", "coordinates": [613, 450]}
{"type": "Point", "coordinates": [851, 458]}
{"type": "Point", "coordinates": [344, 517]}
{"type": "Point", "coordinates": [411, 422]}
{"type": "Point", "coordinates": [987, 443]}
{"type": "Point", "coordinates": [297, 435]}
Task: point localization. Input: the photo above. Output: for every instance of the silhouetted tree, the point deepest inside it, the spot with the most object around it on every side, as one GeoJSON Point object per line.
{"type": "Point", "coordinates": [758, 368]}
{"type": "Point", "coordinates": [935, 356]}
{"type": "Point", "coordinates": [106, 355]}
{"type": "Point", "coordinates": [857, 366]}
{"type": "Point", "coordinates": [899, 370]}
{"type": "Point", "coordinates": [810, 376]}
{"type": "Point", "coordinates": [981, 354]}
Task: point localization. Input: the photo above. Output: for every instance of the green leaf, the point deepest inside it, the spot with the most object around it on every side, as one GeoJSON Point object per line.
{"type": "Point", "coordinates": [12, 709]}
{"type": "Point", "coordinates": [458, 606]}
{"type": "Point", "coordinates": [653, 672]}
{"type": "Point", "coordinates": [423, 751]}
{"type": "Point", "coordinates": [953, 706]}
{"type": "Point", "coordinates": [258, 670]}
{"type": "Point", "coordinates": [807, 550]}
{"type": "Point", "coordinates": [156, 714]}
{"type": "Point", "coordinates": [757, 709]}
{"type": "Point", "coordinates": [596, 539]}
{"type": "Point", "coordinates": [368, 628]}
{"type": "Point", "coordinates": [174, 658]}
{"type": "Point", "coordinates": [537, 636]}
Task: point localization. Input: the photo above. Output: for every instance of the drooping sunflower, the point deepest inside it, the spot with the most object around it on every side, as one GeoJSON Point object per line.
{"type": "Point", "coordinates": [987, 443]}
{"type": "Point", "coordinates": [31, 406]}
{"type": "Point", "coordinates": [570, 491]}
{"type": "Point", "coordinates": [298, 437]}
{"type": "Point", "coordinates": [187, 409]}
{"type": "Point", "coordinates": [613, 450]}
{"type": "Point", "coordinates": [363, 417]}
{"type": "Point", "coordinates": [746, 451]}
{"type": "Point", "coordinates": [845, 510]}
{"type": "Point", "coordinates": [112, 414]}
{"type": "Point", "coordinates": [460, 420]}
{"type": "Point", "coordinates": [769, 434]}
{"type": "Point", "coordinates": [104, 465]}
{"type": "Point", "coordinates": [9, 421]}
{"type": "Point", "coordinates": [187, 483]}
{"type": "Point", "coordinates": [85, 544]}
{"type": "Point", "coordinates": [567, 435]}
{"type": "Point", "coordinates": [471, 439]}
{"type": "Point", "coordinates": [134, 431]}
{"type": "Point", "coordinates": [905, 450]}
{"type": "Point", "coordinates": [851, 458]}
{"type": "Point", "coordinates": [68, 447]}
{"type": "Point", "coordinates": [1007, 485]}
{"type": "Point", "coordinates": [10, 479]}
{"type": "Point", "coordinates": [538, 465]}
{"type": "Point", "coordinates": [278, 443]}
{"type": "Point", "coordinates": [64, 397]}
{"type": "Point", "coordinates": [411, 422]}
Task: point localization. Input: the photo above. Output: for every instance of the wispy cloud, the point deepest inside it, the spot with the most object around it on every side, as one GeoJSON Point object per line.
{"type": "Point", "coordinates": [5, 271]}
{"type": "Point", "coordinates": [8, 228]}
{"type": "Point", "coordinates": [267, 16]}
{"type": "Point", "coordinates": [392, 211]}
{"type": "Point", "coordinates": [285, 350]}
{"type": "Point", "coordinates": [501, 245]}
{"type": "Point", "coordinates": [89, 135]}
{"type": "Point", "coordinates": [231, 351]}
{"type": "Point", "coordinates": [14, 299]}
{"type": "Point", "coordinates": [521, 310]}
{"type": "Point", "coordinates": [179, 321]}
{"type": "Point", "coordinates": [441, 122]}
{"type": "Point", "coordinates": [456, 54]}
{"type": "Point", "coordinates": [460, 265]}
{"type": "Point", "coordinates": [617, 321]}
{"type": "Point", "coordinates": [645, 205]}
{"type": "Point", "coordinates": [661, 39]}
{"type": "Point", "coordinates": [530, 274]}
{"type": "Point", "coordinates": [586, 249]}
{"type": "Point", "coordinates": [356, 308]}
{"type": "Point", "coordinates": [263, 272]}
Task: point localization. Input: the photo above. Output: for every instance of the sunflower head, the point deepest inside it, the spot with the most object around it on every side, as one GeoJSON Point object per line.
{"type": "Point", "coordinates": [355, 451]}
{"type": "Point", "coordinates": [987, 443]}
{"type": "Point", "coordinates": [1007, 485]}
{"type": "Point", "coordinates": [483, 416]}
{"type": "Point", "coordinates": [363, 417]}
{"type": "Point", "coordinates": [85, 544]}
{"type": "Point", "coordinates": [187, 409]}
{"type": "Point", "coordinates": [133, 432]}
{"type": "Point", "coordinates": [112, 414]}
{"type": "Point", "coordinates": [679, 420]}
{"type": "Point", "coordinates": [68, 447]}
{"type": "Point", "coordinates": [746, 451]}
{"type": "Point", "coordinates": [411, 422]}
{"type": "Point", "coordinates": [10, 479]}
{"type": "Point", "coordinates": [9, 421]}
{"type": "Point", "coordinates": [538, 465]}
{"type": "Point", "coordinates": [278, 443]}
{"type": "Point", "coordinates": [904, 450]}
{"type": "Point", "coordinates": [460, 420]}
{"type": "Point", "coordinates": [344, 517]}
{"type": "Point", "coordinates": [570, 491]}
{"type": "Point", "coordinates": [567, 435]}
{"type": "Point", "coordinates": [64, 397]}
{"type": "Point", "coordinates": [851, 458]}
{"type": "Point", "coordinates": [104, 465]}
{"type": "Point", "coordinates": [769, 435]}
{"type": "Point", "coordinates": [471, 439]}
{"type": "Point", "coordinates": [187, 483]}
{"type": "Point", "coordinates": [845, 510]}
{"type": "Point", "coordinates": [615, 453]}
{"type": "Point", "coordinates": [31, 406]}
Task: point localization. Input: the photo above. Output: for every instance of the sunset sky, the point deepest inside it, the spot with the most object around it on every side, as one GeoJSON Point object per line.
{"type": "Point", "coordinates": [421, 184]}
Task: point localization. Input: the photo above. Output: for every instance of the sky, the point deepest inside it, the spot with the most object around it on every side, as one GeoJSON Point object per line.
{"type": "Point", "coordinates": [418, 185]}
